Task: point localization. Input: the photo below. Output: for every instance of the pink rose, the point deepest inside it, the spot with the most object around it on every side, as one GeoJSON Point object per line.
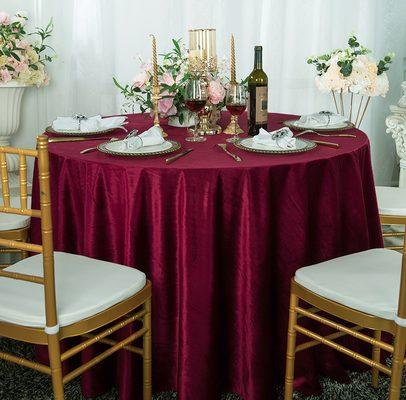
{"type": "Point", "coordinates": [4, 18]}
{"type": "Point", "coordinates": [22, 44]}
{"type": "Point", "coordinates": [216, 92]}
{"type": "Point", "coordinates": [140, 80]}
{"type": "Point", "coordinates": [21, 66]}
{"type": "Point", "coordinates": [5, 75]}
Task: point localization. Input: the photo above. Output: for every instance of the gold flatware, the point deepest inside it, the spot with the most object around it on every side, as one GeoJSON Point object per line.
{"type": "Point", "coordinates": [327, 144]}
{"type": "Point", "coordinates": [224, 147]}
{"type": "Point", "coordinates": [75, 139]}
{"type": "Point", "coordinates": [170, 160]}
{"type": "Point", "coordinates": [326, 134]}
{"type": "Point", "coordinates": [89, 149]}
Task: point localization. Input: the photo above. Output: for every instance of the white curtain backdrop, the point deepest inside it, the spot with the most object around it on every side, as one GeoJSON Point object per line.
{"type": "Point", "coordinates": [98, 39]}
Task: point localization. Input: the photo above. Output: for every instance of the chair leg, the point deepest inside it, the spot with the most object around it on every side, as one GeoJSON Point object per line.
{"type": "Point", "coordinates": [147, 356]}
{"type": "Point", "coordinates": [397, 363]}
{"type": "Point", "coordinates": [376, 356]}
{"type": "Point", "coordinates": [56, 366]}
{"type": "Point", "coordinates": [291, 348]}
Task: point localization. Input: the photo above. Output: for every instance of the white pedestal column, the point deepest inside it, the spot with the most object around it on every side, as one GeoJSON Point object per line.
{"type": "Point", "coordinates": [10, 110]}
{"type": "Point", "coordinates": [396, 126]}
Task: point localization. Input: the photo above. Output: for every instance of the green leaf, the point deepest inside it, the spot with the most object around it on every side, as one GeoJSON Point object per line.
{"type": "Point", "coordinates": [15, 56]}
{"type": "Point", "coordinates": [177, 47]}
{"type": "Point", "coordinates": [181, 118]}
{"type": "Point", "coordinates": [346, 69]}
{"type": "Point", "coordinates": [33, 66]}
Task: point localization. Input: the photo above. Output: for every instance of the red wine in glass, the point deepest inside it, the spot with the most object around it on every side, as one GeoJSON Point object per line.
{"type": "Point", "coordinates": [235, 109]}
{"type": "Point", "coordinates": [195, 105]}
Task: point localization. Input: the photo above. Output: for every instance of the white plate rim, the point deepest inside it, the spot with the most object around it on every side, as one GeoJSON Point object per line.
{"type": "Point", "coordinates": [309, 146]}
{"type": "Point", "coordinates": [175, 146]}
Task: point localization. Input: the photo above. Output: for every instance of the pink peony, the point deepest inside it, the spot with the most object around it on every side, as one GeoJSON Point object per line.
{"type": "Point", "coordinates": [5, 75]}
{"type": "Point", "coordinates": [140, 80]}
{"type": "Point", "coordinates": [216, 91]}
{"type": "Point", "coordinates": [4, 18]}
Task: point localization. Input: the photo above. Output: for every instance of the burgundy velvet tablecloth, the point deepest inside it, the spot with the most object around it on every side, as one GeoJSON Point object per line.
{"type": "Point", "coordinates": [220, 241]}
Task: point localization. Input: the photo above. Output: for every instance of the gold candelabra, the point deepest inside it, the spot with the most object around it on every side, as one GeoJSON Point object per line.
{"type": "Point", "coordinates": [202, 61]}
{"type": "Point", "coordinates": [155, 86]}
{"type": "Point", "coordinates": [233, 126]}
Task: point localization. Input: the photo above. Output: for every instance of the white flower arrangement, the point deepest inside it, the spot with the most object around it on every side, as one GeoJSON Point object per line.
{"type": "Point", "coordinates": [352, 70]}
{"type": "Point", "coordinates": [21, 61]}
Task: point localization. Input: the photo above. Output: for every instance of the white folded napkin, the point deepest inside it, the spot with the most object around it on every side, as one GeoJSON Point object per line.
{"type": "Point", "coordinates": [91, 124]}
{"type": "Point", "coordinates": [151, 137]}
{"type": "Point", "coordinates": [280, 139]}
{"type": "Point", "coordinates": [66, 124]}
{"type": "Point", "coordinates": [320, 119]}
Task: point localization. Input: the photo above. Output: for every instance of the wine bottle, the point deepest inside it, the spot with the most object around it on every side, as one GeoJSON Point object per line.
{"type": "Point", "coordinates": [257, 96]}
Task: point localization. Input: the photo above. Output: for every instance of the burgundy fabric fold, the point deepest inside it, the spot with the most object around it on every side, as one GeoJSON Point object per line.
{"type": "Point", "coordinates": [220, 241]}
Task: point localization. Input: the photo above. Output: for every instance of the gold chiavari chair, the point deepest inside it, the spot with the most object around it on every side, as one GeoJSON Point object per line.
{"type": "Point", "coordinates": [52, 295]}
{"type": "Point", "coordinates": [15, 227]}
{"type": "Point", "coordinates": [392, 211]}
{"type": "Point", "coordinates": [367, 290]}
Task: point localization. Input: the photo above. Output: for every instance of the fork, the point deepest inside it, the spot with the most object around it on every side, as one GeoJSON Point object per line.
{"type": "Point", "coordinates": [89, 149]}
{"type": "Point", "coordinates": [325, 134]}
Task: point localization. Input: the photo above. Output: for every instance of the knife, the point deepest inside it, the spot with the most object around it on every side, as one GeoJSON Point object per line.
{"type": "Point", "coordinates": [170, 160]}
{"type": "Point", "coordinates": [327, 144]}
{"type": "Point", "coordinates": [75, 139]}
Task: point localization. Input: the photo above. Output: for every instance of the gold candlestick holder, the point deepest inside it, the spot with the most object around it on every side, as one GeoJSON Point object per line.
{"type": "Point", "coordinates": [155, 87]}
{"type": "Point", "coordinates": [203, 61]}
{"type": "Point", "coordinates": [233, 126]}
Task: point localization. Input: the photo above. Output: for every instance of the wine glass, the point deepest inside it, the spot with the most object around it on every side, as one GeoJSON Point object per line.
{"type": "Point", "coordinates": [236, 102]}
{"type": "Point", "coordinates": [196, 98]}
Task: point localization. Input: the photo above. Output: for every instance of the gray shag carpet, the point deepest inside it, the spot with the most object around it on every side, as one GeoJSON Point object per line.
{"type": "Point", "coordinates": [19, 383]}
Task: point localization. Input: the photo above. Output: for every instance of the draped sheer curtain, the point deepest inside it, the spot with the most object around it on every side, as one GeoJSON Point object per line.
{"type": "Point", "coordinates": [98, 39]}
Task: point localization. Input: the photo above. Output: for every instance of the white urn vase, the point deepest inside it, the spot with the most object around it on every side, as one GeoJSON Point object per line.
{"type": "Point", "coordinates": [188, 120]}
{"type": "Point", "coordinates": [10, 110]}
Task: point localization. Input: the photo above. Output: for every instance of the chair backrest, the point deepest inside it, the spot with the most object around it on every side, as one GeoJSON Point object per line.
{"type": "Point", "coordinates": [44, 213]}
{"type": "Point", "coordinates": [402, 296]}
{"type": "Point", "coordinates": [394, 220]}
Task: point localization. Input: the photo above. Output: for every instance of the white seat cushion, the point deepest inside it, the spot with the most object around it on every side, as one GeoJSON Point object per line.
{"type": "Point", "coordinates": [391, 200]}
{"type": "Point", "coordinates": [84, 287]}
{"type": "Point", "coordinates": [12, 221]}
{"type": "Point", "coordinates": [368, 281]}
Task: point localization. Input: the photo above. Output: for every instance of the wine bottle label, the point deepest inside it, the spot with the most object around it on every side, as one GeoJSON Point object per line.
{"type": "Point", "coordinates": [261, 106]}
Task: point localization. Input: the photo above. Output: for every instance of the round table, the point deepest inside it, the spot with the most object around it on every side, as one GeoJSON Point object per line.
{"type": "Point", "coordinates": [220, 241]}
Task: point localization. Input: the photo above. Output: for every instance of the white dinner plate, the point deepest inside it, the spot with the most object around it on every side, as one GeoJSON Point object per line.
{"type": "Point", "coordinates": [116, 148]}
{"type": "Point", "coordinates": [294, 123]}
{"type": "Point", "coordinates": [248, 144]}
{"type": "Point", "coordinates": [49, 129]}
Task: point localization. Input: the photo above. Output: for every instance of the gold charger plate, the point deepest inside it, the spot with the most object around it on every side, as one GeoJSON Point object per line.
{"type": "Point", "coordinates": [290, 123]}
{"type": "Point", "coordinates": [49, 129]}
{"type": "Point", "coordinates": [303, 145]}
{"type": "Point", "coordinates": [175, 146]}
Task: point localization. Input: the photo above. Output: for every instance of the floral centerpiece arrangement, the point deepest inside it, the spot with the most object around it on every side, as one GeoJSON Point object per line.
{"type": "Point", "coordinates": [352, 70]}
{"type": "Point", "coordinates": [173, 73]}
{"type": "Point", "coordinates": [22, 61]}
